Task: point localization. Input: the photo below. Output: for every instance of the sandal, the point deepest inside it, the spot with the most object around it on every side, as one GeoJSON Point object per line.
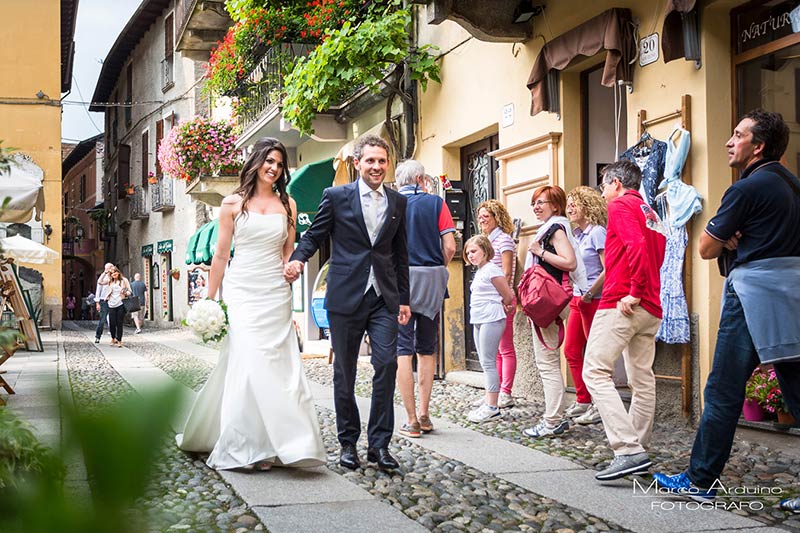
{"type": "Point", "coordinates": [425, 424]}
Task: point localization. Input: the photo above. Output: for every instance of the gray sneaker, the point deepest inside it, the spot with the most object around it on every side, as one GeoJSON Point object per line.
{"type": "Point", "coordinates": [543, 430]}
{"type": "Point", "coordinates": [622, 465]}
{"type": "Point", "coordinates": [576, 409]}
{"type": "Point", "coordinates": [591, 416]}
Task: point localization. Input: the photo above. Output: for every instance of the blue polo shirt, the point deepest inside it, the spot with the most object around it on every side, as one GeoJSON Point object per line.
{"type": "Point", "coordinates": [765, 209]}
{"type": "Point", "coordinates": [427, 219]}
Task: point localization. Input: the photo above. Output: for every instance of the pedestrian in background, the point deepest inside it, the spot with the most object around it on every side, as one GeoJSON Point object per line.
{"type": "Point", "coordinates": [70, 305]}
{"type": "Point", "coordinates": [430, 227]}
{"type": "Point", "coordinates": [140, 291]}
{"type": "Point", "coordinates": [101, 300]}
{"type": "Point", "coordinates": [756, 228]}
{"type": "Point", "coordinates": [554, 248]}
{"type": "Point", "coordinates": [491, 298]}
{"type": "Point", "coordinates": [628, 316]}
{"type": "Point", "coordinates": [496, 225]}
{"type": "Point", "coordinates": [586, 210]}
{"type": "Point", "coordinates": [118, 289]}
{"type": "Point", "coordinates": [87, 304]}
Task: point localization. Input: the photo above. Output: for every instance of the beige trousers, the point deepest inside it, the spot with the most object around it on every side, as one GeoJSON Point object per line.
{"type": "Point", "coordinates": [628, 432]}
{"type": "Point", "coordinates": [548, 362]}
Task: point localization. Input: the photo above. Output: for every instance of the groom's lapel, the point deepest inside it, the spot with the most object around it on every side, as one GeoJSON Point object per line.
{"type": "Point", "coordinates": [355, 204]}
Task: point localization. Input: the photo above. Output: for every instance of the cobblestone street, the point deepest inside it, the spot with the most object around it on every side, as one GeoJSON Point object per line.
{"type": "Point", "coordinates": [462, 477]}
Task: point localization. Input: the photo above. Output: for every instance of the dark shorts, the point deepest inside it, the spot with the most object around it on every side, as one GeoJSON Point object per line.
{"type": "Point", "coordinates": [426, 332]}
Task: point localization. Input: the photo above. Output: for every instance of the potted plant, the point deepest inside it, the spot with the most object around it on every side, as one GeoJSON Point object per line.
{"type": "Point", "coordinates": [175, 273]}
{"type": "Point", "coordinates": [755, 392]}
{"type": "Point", "coordinates": [151, 178]}
{"type": "Point", "coordinates": [129, 189]}
{"type": "Point", "coordinates": [199, 147]}
{"type": "Point", "coordinates": [772, 399]}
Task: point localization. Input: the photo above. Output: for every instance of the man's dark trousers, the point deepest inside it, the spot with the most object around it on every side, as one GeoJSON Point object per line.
{"type": "Point", "coordinates": [102, 322]}
{"type": "Point", "coordinates": [347, 332]}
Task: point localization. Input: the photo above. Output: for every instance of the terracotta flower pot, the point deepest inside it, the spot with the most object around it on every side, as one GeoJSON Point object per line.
{"type": "Point", "coordinates": [176, 275]}
{"type": "Point", "coordinates": [752, 411]}
{"type": "Point", "coordinates": [786, 419]}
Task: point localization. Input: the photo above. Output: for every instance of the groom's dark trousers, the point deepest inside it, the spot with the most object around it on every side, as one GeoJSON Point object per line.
{"type": "Point", "coordinates": [346, 336]}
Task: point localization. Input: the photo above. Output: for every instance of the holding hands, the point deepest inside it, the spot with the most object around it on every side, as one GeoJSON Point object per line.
{"type": "Point", "coordinates": [292, 270]}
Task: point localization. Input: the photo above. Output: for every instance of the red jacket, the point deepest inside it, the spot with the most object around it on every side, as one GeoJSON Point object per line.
{"type": "Point", "coordinates": [633, 254]}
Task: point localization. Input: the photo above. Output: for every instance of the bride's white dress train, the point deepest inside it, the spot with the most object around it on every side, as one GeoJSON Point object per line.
{"type": "Point", "coordinates": [256, 405]}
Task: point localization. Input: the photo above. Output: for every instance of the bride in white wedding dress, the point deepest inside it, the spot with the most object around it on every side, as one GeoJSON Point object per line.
{"type": "Point", "coordinates": [256, 409]}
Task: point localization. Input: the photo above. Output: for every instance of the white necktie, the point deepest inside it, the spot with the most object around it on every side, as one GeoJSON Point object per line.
{"type": "Point", "coordinates": [371, 218]}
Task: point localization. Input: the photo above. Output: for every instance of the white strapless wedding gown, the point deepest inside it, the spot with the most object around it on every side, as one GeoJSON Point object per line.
{"type": "Point", "coordinates": [256, 405]}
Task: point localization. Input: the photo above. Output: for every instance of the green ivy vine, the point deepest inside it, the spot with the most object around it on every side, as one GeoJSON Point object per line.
{"type": "Point", "coordinates": [350, 57]}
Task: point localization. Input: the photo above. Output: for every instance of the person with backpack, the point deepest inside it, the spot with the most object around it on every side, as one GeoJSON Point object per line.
{"type": "Point", "coordinates": [554, 249]}
{"type": "Point", "coordinates": [491, 299]}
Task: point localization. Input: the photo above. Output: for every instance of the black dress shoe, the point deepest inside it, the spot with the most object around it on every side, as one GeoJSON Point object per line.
{"type": "Point", "coordinates": [383, 458]}
{"type": "Point", "coordinates": [349, 457]}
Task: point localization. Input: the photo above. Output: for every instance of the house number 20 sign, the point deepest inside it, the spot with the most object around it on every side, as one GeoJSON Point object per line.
{"type": "Point", "coordinates": [648, 50]}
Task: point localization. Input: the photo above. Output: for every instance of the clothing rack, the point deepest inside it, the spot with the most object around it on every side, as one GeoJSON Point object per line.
{"type": "Point", "coordinates": [685, 115]}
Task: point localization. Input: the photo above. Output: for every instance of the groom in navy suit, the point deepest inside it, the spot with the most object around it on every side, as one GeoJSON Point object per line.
{"type": "Point", "coordinates": [367, 291]}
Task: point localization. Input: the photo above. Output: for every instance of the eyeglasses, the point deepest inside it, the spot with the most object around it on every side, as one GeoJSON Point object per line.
{"type": "Point", "coordinates": [540, 203]}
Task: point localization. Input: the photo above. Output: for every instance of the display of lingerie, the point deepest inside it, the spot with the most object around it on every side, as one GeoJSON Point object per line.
{"type": "Point", "coordinates": [649, 155]}
{"type": "Point", "coordinates": [676, 206]}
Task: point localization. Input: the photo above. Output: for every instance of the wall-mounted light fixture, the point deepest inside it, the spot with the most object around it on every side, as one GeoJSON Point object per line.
{"type": "Point", "coordinates": [526, 10]}
{"type": "Point", "coordinates": [79, 234]}
{"type": "Point", "coordinates": [48, 230]}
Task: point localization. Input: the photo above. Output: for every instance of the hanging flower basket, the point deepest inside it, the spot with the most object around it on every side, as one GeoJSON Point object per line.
{"type": "Point", "coordinates": [199, 147]}
{"type": "Point", "coordinates": [175, 273]}
{"type": "Point", "coordinates": [152, 179]}
{"type": "Point", "coordinates": [130, 190]}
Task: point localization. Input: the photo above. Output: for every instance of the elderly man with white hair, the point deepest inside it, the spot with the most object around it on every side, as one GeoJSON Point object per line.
{"type": "Point", "coordinates": [431, 232]}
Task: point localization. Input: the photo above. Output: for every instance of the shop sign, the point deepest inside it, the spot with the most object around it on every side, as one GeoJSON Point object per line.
{"type": "Point", "coordinates": [764, 24]}
{"type": "Point", "coordinates": [164, 247]}
{"type": "Point", "coordinates": [147, 250]}
{"type": "Point", "coordinates": [648, 50]}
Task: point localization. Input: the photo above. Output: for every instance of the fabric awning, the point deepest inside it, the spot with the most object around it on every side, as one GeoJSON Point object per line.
{"type": "Point", "coordinates": [306, 188]}
{"type": "Point", "coordinates": [611, 30]}
{"type": "Point", "coordinates": [23, 184]}
{"type": "Point", "coordinates": [27, 251]}
{"type": "Point", "coordinates": [672, 43]}
{"type": "Point", "coordinates": [202, 244]}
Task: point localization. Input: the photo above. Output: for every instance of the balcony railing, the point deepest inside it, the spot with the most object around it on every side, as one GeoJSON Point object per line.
{"type": "Point", "coordinates": [264, 85]}
{"type": "Point", "coordinates": [167, 74]}
{"type": "Point", "coordinates": [139, 204]}
{"type": "Point", "coordinates": [161, 195]}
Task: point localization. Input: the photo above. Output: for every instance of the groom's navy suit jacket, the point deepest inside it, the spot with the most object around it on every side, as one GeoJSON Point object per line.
{"type": "Point", "coordinates": [340, 216]}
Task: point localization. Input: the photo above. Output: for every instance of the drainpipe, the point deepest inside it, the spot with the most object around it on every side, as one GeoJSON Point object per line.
{"type": "Point", "coordinates": [410, 89]}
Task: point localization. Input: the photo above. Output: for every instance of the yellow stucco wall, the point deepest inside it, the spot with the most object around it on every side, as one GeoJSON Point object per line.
{"type": "Point", "coordinates": [479, 78]}
{"type": "Point", "coordinates": [30, 62]}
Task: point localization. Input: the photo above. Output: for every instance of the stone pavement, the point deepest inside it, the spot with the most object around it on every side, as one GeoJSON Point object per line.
{"type": "Point", "coordinates": [456, 478]}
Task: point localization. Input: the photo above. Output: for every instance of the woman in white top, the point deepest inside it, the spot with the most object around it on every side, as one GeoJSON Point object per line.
{"type": "Point", "coordinates": [491, 299]}
{"type": "Point", "coordinates": [119, 288]}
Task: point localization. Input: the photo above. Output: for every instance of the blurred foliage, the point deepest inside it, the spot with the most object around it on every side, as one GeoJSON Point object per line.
{"type": "Point", "coordinates": [120, 444]}
{"type": "Point", "coordinates": [5, 158]}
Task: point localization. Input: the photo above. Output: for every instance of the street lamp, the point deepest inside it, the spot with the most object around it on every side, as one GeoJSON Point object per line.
{"type": "Point", "coordinates": [48, 230]}
{"type": "Point", "coordinates": [79, 233]}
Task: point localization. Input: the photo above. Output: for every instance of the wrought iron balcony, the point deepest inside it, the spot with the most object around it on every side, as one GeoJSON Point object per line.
{"type": "Point", "coordinates": [139, 204]}
{"type": "Point", "coordinates": [263, 87]}
{"type": "Point", "coordinates": [200, 24]}
{"type": "Point", "coordinates": [161, 195]}
{"type": "Point", "coordinates": [167, 73]}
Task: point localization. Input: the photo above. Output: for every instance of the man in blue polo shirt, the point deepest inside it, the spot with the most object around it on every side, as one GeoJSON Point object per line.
{"type": "Point", "coordinates": [432, 244]}
{"type": "Point", "coordinates": [755, 234]}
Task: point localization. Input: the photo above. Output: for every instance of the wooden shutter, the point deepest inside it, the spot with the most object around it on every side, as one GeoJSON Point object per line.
{"type": "Point", "coordinates": [159, 136]}
{"type": "Point", "coordinates": [145, 157]}
{"type": "Point", "coordinates": [169, 35]}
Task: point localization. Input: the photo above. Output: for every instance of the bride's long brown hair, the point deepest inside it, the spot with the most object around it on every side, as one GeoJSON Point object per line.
{"type": "Point", "coordinates": [248, 178]}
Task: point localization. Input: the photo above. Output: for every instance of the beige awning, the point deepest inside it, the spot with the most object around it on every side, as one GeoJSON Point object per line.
{"type": "Point", "coordinates": [27, 251]}
{"type": "Point", "coordinates": [343, 160]}
{"type": "Point", "coordinates": [23, 184]}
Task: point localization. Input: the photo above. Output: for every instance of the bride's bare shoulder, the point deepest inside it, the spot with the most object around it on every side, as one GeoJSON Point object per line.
{"type": "Point", "coordinates": [233, 200]}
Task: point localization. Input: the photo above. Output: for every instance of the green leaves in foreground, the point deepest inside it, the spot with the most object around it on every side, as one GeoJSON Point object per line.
{"type": "Point", "coordinates": [120, 444]}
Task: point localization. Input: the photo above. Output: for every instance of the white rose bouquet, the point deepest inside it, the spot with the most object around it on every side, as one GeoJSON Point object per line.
{"type": "Point", "coordinates": [208, 319]}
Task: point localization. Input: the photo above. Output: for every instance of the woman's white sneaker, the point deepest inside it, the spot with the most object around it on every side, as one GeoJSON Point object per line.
{"type": "Point", "coordinates": [591, 416]}
{"type": "Point", "coordinates": [577, 409]}
{"type": "Point", "coordinates": [505, 400]}
{"type": "Point", "coordinates": [483, 413]}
